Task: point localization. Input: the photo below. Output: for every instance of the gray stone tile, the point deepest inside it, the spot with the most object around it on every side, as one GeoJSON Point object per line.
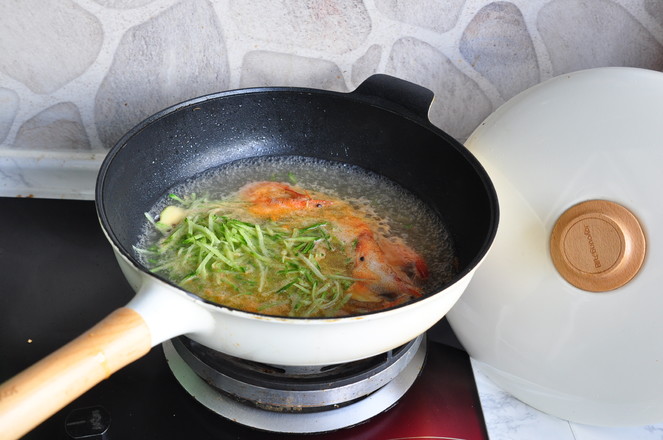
{"type": "Point", "coordinates": [58, 128]}
{"type": "Point", "coordinates": [497, 44]}
{"type": "Point", "coordinates": [46, 44]}
{"type": "Point", "coordinates": [459, 105]}
{"type": "Point", "coordinates": [585, 34]}
{"type": "Point", "coordinates": [264, 68]}
{"type": "Point", "coordinates": [304, 23]}
{"type": "Point", "coordinates": [367, 64]}
{"type": "Point", "coordinates": [177, 55]}
{"type": "Point", "coordinates": [8, 107]}
{"type": "Point", "coordinates": [438, 15]}
{"type": "Point", "coordinates": [123, 4]}
{"type": "Point", "coordinates": [655, 9]}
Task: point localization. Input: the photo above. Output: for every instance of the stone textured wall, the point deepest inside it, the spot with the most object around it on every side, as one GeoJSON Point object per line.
{"type": "Point", "coordinates": [76, 74]}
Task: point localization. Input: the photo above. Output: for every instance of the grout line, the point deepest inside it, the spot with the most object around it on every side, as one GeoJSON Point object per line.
{"type": "Point", "coordinates": [572, 431]}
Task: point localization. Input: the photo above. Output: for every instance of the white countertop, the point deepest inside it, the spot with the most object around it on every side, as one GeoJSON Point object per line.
{"type": "Point", "coordinates": [49, 174]}
{"type": "Point", "coordinates": [507, 418]}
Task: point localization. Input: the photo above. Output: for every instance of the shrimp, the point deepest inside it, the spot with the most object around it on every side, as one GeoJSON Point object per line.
{"type": "Point", "coordinates": [274, 200]}
{"type": "Point", "coordinates": [386, 271]}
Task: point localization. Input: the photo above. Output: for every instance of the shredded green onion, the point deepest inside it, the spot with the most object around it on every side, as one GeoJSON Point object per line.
{"type": "Point", "coordinates": [215, 255]}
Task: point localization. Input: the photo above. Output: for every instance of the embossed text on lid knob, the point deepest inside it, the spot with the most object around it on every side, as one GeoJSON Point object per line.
{"type": "Point", "coordinates": [597, 245]}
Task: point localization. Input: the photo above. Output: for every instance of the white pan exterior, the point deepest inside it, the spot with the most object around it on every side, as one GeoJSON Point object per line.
{"type": "Point", "coordinates": [169, 312]}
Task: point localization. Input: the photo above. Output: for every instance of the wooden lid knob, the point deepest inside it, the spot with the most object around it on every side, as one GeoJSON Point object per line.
{"type": "Point", "coordinates": [597, 245]}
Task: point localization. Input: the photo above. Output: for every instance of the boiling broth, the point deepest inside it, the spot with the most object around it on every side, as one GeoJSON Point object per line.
{"type": "Point", "coordinates": [354, 200]}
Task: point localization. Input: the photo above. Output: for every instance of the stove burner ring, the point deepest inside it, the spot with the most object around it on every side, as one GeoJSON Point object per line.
{"type": "Point", "coordinates": [340, 417]}
{"type": "Point", "coordinates": [294, 389]}
{"type": "Point", "coordinates": [297, 389]}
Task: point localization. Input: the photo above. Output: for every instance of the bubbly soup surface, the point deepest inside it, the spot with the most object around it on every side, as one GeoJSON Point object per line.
{"type": "Point", "coordinates": [297, 237]}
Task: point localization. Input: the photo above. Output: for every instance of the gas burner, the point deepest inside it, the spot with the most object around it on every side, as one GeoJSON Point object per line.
{"type": "Point", "coordinates": [295, 399]}
{"type": "Point", "coordinates": [297, 389]}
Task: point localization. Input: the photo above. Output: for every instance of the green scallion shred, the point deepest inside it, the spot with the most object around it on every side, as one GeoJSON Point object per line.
{"type": "Point", "coordinates": [176, 198]}
{"type": "Point", "coordinates": [216, 255]}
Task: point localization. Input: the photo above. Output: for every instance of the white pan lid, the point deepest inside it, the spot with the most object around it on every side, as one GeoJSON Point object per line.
{"type": "Point", "coordinates": [566, 311]}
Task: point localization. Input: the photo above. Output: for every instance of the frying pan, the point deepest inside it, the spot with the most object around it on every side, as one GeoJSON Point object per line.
{"type": "Point", "coordinates": [382, 127]}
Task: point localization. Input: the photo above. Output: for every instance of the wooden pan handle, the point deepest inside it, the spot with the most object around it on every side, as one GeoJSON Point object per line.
{"type": "Point", "coordinates": [35, 394]}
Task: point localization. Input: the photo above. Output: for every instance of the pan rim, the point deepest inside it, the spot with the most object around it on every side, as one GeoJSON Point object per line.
{"type": "Point", "coordinates": [365, 100]}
